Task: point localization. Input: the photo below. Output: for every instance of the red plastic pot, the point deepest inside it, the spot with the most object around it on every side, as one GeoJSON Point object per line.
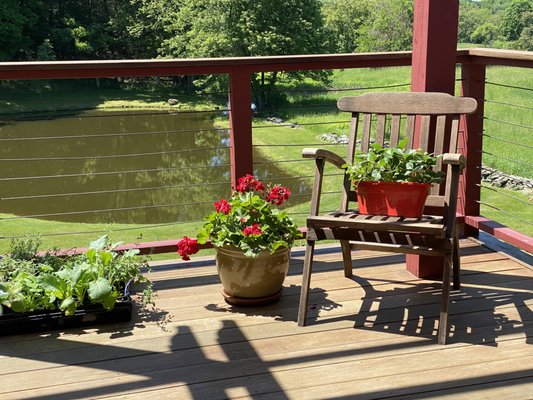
{"type": "Point", "coordinates": [396, 199]}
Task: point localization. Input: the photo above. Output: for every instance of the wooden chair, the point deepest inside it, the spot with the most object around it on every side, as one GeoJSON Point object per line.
{"type": "Point", "coordinates": [435, 235]}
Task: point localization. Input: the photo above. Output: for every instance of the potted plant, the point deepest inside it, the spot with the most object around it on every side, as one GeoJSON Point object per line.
{"type": "Point", "coordinates": [393, 181]}
{"type": "Point", "coordinates": [47, 291]}
{"type": "Point", "coordinates": [252, 239]}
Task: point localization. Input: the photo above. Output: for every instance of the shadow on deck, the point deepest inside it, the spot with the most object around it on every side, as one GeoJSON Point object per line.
{"type": "Point", "coordinates": [370, 337]}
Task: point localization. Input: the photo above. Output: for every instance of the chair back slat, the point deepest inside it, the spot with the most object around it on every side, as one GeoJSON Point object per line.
{"type": "Point", "coordinates": [410, 130]}
{"type": "Point", "coordinates": [395, 130]}
{"type": "Point", "coordinates": [454, 138]}
{"type": "Point", "coordinates": [380, 129]}
{"type": "Point", "coordinates": [365, 137]}
{"type": "Point", "coordinates": [440, 132]}
{"type": "Point", "coordinates": [425, 126]}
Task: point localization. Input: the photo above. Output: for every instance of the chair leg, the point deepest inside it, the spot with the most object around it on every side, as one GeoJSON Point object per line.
{"type": "Point", "coordinates": [445, 300]}
{"type": "Point", "coordinates": [347, 258]}
{"type": "Point", "coordinates": [456, 263]}
{"type": "Point", "coordinates": [306, 280]}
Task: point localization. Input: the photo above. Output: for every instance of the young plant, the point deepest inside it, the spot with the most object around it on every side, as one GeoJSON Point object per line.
{"type": "Point", "coordinates": [394, 164]}
{"type": "Point", "coordinates": [99, 276]}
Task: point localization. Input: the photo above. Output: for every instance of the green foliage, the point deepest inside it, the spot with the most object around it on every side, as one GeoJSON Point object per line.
{"type": "Point", "coordinates": [394, 164]}
{"type": "Point", "coordinates": [389, 26]}
{"type": "Point", "coordinates": [525, 42]}
{"type": "Point", "coordinates": [512, 22]}
{"type": "Point", "coordinates": [471, 16]}
{"type": "Point", "coordinates": [232, 28]}
{"type": "Point", "coordinates": [485, 33]}
{"type": "Point", "coordinates": [343, 21]}
{"type": "Point", "coordinates": [29, 283]}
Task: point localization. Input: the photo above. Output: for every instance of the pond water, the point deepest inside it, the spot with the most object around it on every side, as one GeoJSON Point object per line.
{"type": "Point", "coordinates": [122, 167]}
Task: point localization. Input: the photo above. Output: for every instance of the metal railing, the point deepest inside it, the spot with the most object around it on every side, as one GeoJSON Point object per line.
{"type": "Point", "coordinates": [245, 154]}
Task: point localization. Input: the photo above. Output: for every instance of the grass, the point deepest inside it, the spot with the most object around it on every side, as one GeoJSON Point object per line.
{"type": "Point", "coordinates": [314, 112]}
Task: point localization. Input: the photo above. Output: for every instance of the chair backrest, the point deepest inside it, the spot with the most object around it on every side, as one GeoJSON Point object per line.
{"type": "Point", "coordinates": [389, 117]}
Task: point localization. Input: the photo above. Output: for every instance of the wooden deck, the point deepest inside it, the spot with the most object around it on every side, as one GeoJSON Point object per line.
{"type": "Point", "coordinates": [372, 337]}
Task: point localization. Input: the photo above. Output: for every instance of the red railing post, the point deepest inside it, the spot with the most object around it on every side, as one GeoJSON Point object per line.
{"type": "Point", "coordinates": [240, 118]}
{"type": "Point", "coordinates": [470, 143]}
{"type": "Point", "coordinates": [433, 70]}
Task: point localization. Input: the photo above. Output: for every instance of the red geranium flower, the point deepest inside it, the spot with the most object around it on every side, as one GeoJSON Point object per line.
{"type": "Point", "coordinates": [278, 195]}
{"type": "Point", "coordinates": [222, 206]}
{"type": "Point", "coordinates": [186, 247]}
{"type": "Point", "coordinates": [249, 182]}
{"type": "Point", "coordinates": [255, 229]}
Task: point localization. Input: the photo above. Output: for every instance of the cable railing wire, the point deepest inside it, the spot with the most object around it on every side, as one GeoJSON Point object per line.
{"type": "Point", "coordinates": [313, 91]}
{"type": "Point", "coordinates": [72, 158]}
{"type": "Point", "coordinates": [507, 141]}
{"type": "Point", "coordinates": [106, 135]}
{"type": "Point", "coordinates": [106, 210]}
{"type": "Point", "coordinates": [43, 116]}
{"type": "Point", "coordinates": [297, 177]}
{"type": "Point", "coordinates": [505, 194]}
{"type": "Point", "coordinates": [111, 172]}
{"type": "Point", "coordinates": [299, 145]}
{"type": "Point", "coordinates": [279, 161]}
{"type": "Point", "coordinates": [506, 158]}
{"type": "Point", "coordinates": [508, 104]}
{"type": "Point", "coordinates": [505, 212]}
{"type": "Point", "coordinates": [294, 124]}
{"type": "Point", "coordinates": [508, 86]}
{"type": "Point", "coordinates": [508, 123]}
{"type": "Point", "coordinates": [143, 227]}
{"type": "Point", "coordinates": [42, 196]}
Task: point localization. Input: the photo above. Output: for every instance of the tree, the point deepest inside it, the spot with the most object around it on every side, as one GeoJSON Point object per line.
{"type": "Point", "coordinates": [485, 33]}
{"type": "Point", "coordinates": [472, 14]}
{"type": "Point", "coordinates": [513, 18]}
{"type": "Point", "coordinates": [389, 26]}
{"type": "Point", "coordinates": [229, 28]}
{"type": "Point", "coordinates": [526, 37]}
{"type": "Point", "coordinates": [343, 20]}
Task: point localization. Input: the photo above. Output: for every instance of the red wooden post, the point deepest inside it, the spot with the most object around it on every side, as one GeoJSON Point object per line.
{"type": "Point", "coordinates": [240, 118]}
{"type": "Point", "coordinates": [470, 143]}
{"type": "Point", "coordinates": [433, 70]}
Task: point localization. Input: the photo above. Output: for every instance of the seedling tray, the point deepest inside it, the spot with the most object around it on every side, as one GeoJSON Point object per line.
{"type": "Point", "coordinates": [12, 323]}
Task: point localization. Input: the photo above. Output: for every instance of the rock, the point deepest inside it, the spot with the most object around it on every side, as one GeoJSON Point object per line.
{"type": "Point", "coordinates": [334, 138]}
{"type": "Point", "coordinates": [275, 120]}
{"type": "Point", "coordinates": [173, 102]}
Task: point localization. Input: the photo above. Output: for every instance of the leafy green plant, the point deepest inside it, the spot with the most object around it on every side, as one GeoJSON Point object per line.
{"type": "Point", "coordinates": [24, 249]}
{"type": "Point", "coordinates": [99, 277]}
{"type": "Point", "coordinates": [394, 164]}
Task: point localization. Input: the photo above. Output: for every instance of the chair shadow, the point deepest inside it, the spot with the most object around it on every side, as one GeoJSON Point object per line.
{"type": "Point", "coordinates": [477, 312]}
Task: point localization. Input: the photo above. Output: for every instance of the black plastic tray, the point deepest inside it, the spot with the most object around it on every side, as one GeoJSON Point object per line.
{"type": "Point", "coordinates": [16, 323]}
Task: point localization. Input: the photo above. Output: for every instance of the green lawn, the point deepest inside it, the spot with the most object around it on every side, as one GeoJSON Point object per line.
{"type": "Point", "coordinates": [315, 113]}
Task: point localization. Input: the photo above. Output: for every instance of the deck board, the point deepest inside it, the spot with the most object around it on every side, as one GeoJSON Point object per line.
{"type": "Point", "coordinates": [370, 337]}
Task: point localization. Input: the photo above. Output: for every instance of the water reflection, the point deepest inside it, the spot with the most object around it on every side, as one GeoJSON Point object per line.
{"type": "Point", "coordinates": [153, 165]}
{"type": "Point", "coordinates": [128, 167]}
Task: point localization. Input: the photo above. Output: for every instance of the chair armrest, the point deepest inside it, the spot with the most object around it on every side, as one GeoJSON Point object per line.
{"type": "Point", "coordinates": [327, 155]}
{"type": "Point", "coordinates": [454, 159]}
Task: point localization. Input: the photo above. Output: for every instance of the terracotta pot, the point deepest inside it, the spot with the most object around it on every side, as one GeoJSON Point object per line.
{"type": "Point", "coordinates": [398, 199]}
{"type": "Point", "coordinates": [249, 278]}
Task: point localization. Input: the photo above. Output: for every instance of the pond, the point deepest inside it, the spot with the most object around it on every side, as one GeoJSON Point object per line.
{"type": "Point", "coordinates": [123, 167]}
